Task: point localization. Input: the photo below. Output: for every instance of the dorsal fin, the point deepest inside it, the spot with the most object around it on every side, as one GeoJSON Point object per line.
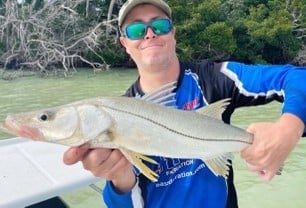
{"type": "Point", "coordinates": [163, 96]}
{"type": "Point", "coordinates": [215, 110]}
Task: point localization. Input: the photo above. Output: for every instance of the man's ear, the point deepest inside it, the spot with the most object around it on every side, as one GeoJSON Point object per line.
{"type": "Point", "coordinates": [174, 31]}
{"type": "Point", "coordinates": [122, 41]}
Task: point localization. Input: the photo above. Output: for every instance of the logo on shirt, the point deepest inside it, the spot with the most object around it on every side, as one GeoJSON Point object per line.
{"type": "Point", "coordinates": [192, 104]}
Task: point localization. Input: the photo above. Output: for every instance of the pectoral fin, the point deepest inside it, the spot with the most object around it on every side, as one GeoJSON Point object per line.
{"type": "Point", "coordinates": [219, 165]}
{"type": "Point", "coordinates": [163, 96]}
{"type": "Point", "coordinates": [136, 160]}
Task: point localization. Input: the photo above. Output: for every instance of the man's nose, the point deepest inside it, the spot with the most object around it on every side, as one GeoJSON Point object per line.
{"type": "Point", "coordinates": [150, 34]}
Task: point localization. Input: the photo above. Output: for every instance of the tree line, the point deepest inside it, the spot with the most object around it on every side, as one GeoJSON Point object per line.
{"type": "Point", "coordinates": [62, 35]}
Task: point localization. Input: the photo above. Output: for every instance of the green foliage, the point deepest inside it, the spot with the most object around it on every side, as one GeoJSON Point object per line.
{"type": "Point", "coordinates": [221, 37]}
{"type": "Point", "coordinates": [195, 22]}
{"type": "Point", "coordinates": [270, 33]}
{"type": "Point", "coordinates": [262, 31]}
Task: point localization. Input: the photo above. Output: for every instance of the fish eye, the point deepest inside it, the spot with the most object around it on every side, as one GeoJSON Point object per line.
{"type": "Point", "coordinates": [44, 117]}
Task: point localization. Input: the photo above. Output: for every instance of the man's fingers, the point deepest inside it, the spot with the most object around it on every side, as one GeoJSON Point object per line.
{"type": "Point", "coordinates": [244, 154]}
{"type": "Point", "coordinates": [264, 174]}
{"type": "Point", "coordinates": [253, 167]}
{"type": "Point", "coordinates": [96, 157]}
{"type": "Point", "coordinates": [74, 154]}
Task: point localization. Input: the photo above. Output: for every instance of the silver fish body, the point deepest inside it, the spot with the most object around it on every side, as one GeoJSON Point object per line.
{"type": "Point", "coordinates": [155, 130]}
{"type": "Point", "coordinates": [137, 127]}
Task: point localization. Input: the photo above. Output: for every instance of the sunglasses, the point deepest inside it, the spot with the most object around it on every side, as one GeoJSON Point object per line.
{"type": "Point", "coordinates": [137, 30]}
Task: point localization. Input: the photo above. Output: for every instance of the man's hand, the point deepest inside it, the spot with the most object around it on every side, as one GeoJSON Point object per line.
{"type": "Point", "coordinates": [272, 144]}
{"type": "Point", "coordinates": [105, 163]}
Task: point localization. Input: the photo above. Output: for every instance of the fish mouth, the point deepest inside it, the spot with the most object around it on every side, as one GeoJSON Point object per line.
{"type": "Point", "coordinates": [6, 128]}
{"type": "Point", "coordinates": [26, 132]}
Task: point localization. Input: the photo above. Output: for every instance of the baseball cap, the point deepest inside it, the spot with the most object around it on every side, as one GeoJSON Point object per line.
{"type": "Point", "coordinates": [130, 4]}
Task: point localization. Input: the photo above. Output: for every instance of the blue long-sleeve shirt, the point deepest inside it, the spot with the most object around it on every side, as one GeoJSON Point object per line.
{"type": "Point", "coordinates": [188, 182]}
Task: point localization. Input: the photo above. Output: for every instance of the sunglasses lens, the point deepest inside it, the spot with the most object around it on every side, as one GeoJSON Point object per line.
{"type": "Point", "coordinates": [161, 26]}
{"type": "Point", "coordinates": [135, 30]}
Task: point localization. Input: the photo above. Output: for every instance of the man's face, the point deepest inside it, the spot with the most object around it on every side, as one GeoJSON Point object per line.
{"type": "Point", "coordinates": [152, 49]}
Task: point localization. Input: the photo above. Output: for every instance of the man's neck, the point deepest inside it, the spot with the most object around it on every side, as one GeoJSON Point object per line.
{"type": "Point", "coordinates": [154, 78]}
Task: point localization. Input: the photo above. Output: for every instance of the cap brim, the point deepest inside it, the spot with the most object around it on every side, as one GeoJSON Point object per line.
{"type": "Point", "coordinates": [128, 6]}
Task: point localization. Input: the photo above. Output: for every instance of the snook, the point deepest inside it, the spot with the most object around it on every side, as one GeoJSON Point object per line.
{"type": "Point", "coordinates": [137, 127]}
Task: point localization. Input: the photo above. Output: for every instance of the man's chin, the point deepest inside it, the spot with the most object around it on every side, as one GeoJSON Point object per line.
{"type": "Point", "coordinates": [154, 60]}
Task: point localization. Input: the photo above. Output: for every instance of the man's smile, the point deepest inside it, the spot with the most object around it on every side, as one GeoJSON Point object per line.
{"type": "Point", "coordinates": [151, 46]}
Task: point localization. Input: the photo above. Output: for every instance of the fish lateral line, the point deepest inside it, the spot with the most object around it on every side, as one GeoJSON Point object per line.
{"type": "Point", "coordinates": [173, 130]}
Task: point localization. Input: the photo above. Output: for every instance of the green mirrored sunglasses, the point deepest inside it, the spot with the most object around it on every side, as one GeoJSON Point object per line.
{"type": "Point", "coordinates": [137, 30]}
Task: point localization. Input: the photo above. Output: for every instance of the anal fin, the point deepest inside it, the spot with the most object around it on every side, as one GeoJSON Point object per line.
{"type": "Point", "coordinates": [219, 165]}
{"type": "Point", "coordinates": [136, 159]}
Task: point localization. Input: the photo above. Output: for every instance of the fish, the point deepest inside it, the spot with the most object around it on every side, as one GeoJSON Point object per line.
{"type": "Point", "coordinates": [139, 127]}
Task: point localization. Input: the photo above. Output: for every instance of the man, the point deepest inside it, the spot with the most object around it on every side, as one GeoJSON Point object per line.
{"type": "Point", "coordinates": [149, 38]}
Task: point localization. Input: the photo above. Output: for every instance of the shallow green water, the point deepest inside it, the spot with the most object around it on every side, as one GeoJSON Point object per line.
{"type": "Point", "coordinates": [24, 94]}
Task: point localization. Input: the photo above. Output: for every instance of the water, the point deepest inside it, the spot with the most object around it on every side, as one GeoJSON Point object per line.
{"type": "Point", "coordinates": [30, 93]}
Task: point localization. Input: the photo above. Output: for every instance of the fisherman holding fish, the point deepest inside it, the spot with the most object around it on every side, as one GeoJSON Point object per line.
{"type": "Point", "coordinates": [148, 35]}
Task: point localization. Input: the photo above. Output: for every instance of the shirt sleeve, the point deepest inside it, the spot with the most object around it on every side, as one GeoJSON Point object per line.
{"type": "Point", "coordinates": [115, 200]}
{"type": "Point", "coordinates": [264, 83]}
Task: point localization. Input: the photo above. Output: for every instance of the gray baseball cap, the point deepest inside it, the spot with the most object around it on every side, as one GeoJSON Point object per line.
{"type": "Point", "coordinates": [130, 4]}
